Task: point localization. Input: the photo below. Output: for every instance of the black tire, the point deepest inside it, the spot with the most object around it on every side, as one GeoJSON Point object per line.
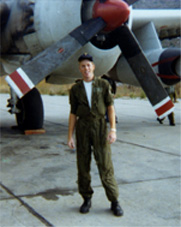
{"type": "Point", "coordinates": [31, 107]}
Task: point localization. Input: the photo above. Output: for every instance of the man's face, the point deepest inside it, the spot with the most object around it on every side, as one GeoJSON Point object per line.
{"type": "Point", "coordinates": [87, 68]}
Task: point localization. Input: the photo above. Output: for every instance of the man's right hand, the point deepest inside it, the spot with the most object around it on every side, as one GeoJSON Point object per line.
{"type": "Point", "coordinates": [71, 143]}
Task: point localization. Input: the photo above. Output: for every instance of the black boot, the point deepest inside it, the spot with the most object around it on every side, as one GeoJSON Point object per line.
{"type": "Point", "coordinates": [160, 120]}
{"type": "Point", "coordinates": [85, 206]}
{"type": "Point", "coordinates": [171, 119]}
{"type": "Point", "coordinates": [116, 208]}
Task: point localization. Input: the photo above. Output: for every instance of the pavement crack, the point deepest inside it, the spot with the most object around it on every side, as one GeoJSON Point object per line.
{"type": "Point", "coordinates": [27, 206]}
{"type": "Point", "coordinates": [146, 147]}
{"type": "Point", "coordinates": [53, 123]}
{"type": "Point", "coordinates": [147, 180]}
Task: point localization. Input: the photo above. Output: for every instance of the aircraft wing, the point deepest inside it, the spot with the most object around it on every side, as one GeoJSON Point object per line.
{"type": "Point", "coordinates": [166, 21]}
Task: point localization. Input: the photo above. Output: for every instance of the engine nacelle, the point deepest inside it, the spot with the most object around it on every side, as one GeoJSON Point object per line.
{"type": "Point", "coordinates": [166, 64]}
{"type": "Point", "coordinates": [169, 65]}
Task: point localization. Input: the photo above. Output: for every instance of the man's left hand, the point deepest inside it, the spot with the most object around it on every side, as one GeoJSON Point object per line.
{"type": "Point", "coordinates": [111, 137]}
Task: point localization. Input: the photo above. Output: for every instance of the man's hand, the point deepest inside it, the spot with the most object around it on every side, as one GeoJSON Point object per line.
{"type": "Point", "coordinates": [72, 122]}
{"type": "Point", "coordinates": [112, 134]}
{"type": "Point", "coordinates": [111, 137]}
{"type": "Point", "coordinates": [71, 143]}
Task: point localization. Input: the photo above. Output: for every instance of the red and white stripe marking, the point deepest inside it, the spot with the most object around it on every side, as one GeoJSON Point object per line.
{"type": "Point", "coordinates": [164, 108]}
{"type": "Point", "coordinates": [20, 82]}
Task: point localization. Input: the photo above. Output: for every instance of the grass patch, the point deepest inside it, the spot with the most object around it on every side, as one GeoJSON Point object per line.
{"type": "Point", "coordinates": [51, 89]}
{"type": "Point", "coordinates": [129, 91]}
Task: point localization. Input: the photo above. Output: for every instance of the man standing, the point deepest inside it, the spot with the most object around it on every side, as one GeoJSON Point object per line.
{"type": "Point", "coordinates": [89, 100]}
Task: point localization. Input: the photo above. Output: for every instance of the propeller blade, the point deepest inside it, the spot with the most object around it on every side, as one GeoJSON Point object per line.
{"type": "Point", "coordinates": [35, 70]}
{"type": "Point", "coordinates": [143, 71]}
{"type": "Point", "coordinates": [130, 2]}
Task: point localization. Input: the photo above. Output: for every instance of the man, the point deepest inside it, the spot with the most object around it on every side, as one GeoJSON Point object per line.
{"type": "Point", "coordinates": [89, 100]}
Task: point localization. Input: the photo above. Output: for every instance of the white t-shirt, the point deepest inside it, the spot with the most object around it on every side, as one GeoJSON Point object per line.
{"type": "Point", "coordinates": [88, 89]}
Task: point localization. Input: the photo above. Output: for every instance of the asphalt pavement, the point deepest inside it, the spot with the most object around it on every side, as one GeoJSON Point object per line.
{"type": "Point", "coordinates": [38, 178]}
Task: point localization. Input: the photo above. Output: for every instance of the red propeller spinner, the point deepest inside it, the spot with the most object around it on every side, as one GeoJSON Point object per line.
{"type": "Point", "coordinates": [113, 12]}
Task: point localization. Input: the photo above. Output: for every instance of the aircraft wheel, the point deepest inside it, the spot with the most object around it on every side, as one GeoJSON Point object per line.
{"type": "Point", "coordinates": [31, 107]}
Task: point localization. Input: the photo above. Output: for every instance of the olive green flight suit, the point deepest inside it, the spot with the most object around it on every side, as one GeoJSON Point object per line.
{"type": "Point", "coordinates": [91, 134]}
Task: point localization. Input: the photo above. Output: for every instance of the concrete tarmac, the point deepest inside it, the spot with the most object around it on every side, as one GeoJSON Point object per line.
{"type": "Point", "coordinates": [38, 172]}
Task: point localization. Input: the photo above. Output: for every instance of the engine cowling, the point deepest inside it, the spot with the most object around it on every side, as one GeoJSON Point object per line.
{"type": "Point", "coordinates": [166, 64]}
{"type": "Point", "coordinates": [169, 63]}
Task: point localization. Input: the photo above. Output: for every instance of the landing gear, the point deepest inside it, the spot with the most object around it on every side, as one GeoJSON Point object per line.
{"type": "Point", "coordinates": [28, 110]}
{"type": "Point", "coordinates": [31, 111]}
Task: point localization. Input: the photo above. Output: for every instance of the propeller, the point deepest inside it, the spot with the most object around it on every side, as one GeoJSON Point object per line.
{"type": "Point", "coordinates": [134, 55]}
{"type": "Point", "coordinates": [110, 15]}
{"type": "Point", "coordinates": [32, 72]}
{"type": "Point", "coordinates": [143, 71]}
